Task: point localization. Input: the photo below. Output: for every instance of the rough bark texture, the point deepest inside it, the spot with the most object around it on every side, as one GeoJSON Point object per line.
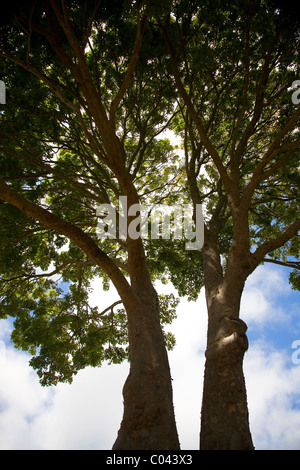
{"type": "Point", "coordinates": [224, 420]}
{"type": "Point", "coordinates": [148, 420]}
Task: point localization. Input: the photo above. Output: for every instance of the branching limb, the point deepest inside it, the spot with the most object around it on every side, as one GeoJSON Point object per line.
{"type": "Point", "coordinates": [79, 263]}
{"type": "Point", "coordinates": [289, 264]}
{"type": "Point", "coordinates": [130, 70]}
{"type": "Point", "coordinates": [273, 150]}
{"type": "Point", "coordinates": [71, 231]}
{"type": "Point", "coordinates": [259, 255]}
{"type": "Point", "coordinates": [111, 307]}
{"type": "Point", "coordinates": [228, 184]}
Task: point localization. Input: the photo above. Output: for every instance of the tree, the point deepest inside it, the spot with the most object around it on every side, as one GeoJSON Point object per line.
{"type": "Point", "coordinates": [78, 130]}
{"type": "Point", "coordinates": [81, 127]}
{"type": "Point", "coordinates": [232, 67]}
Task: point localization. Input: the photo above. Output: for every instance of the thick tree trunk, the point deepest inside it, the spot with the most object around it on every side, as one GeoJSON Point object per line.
{"type": "Point", "coordinates": [148, 419]}
{"type": "Point", "coordinates": [224, 419]}
{"type": "Point", "coordinates": [224, 416]}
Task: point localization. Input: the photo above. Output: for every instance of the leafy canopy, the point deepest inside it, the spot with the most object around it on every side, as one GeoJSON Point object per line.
{"type": "Point", "coordinates": [53, 153]}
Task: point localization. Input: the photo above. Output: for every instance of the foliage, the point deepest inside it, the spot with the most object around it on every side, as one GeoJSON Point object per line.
{"type": "Point", "coordinates": [55, 152]}
{"type": "Point", "coordinates": [64, 333]}
{"type": "Point", "coordinates": [237, 121]}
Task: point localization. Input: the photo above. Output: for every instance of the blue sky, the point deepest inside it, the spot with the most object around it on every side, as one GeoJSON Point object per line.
{"type": "Point", "coordinates": [269, 296]}
{"type": "Point", "coordinates": [87, 413]}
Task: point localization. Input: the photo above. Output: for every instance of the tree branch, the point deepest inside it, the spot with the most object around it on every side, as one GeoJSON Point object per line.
{"type": "Point", "coordinates": [228, 184]}
{"type": "Point", "coordinates": [274, 243]}
{"type": "Point", "coordinates": [130, 70]}
{"type": "Point", "coordinates": [271, 152]}
{"type": "Point", "coordinates": [289, 264]}
{"type": "Point", "coordinates": [259, 102]}
{"type": "Point", "coordinates": [244, 92]}
{"type": "Point", "coordinates": [49, 82]}
{"type": "Point", "coordinates": [49, 274]}
{"type": "Point", "coordinates": [84, 188]}
{"type": "Point", "coordinates": [74, 233]}
{"type": "Point", "coordinates": [111, 307]}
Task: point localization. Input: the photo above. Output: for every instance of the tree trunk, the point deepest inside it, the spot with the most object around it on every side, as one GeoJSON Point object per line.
{"type": "Point", "coordinates": [224, 416]}
{"type": "Point", "coordinates": [224, 419]}
{"type": "Point", "coordinates": [148, 419]}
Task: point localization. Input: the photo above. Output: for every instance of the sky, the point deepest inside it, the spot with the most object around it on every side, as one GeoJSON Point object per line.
{"type": "Point", "coordinates": [86, 415]}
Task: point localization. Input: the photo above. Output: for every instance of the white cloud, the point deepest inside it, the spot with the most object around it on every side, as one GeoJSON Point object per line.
{"type": "Point", "coordinates": [273, 382]}
{"type": "Point", "coordinates": [84, 415]}
{"type": "Point", "coordinates": [260, 301]}
{"type": "Point", "coordinates": [87, 413]}
{"type": "Point", "coordinates": [273, 385]}
{"type": "Point", "coordinates": [187, 367]}
{"type": "Point", "coordinates": [22, 399]}
{"type": "Point", "coordinates": [270, 279]}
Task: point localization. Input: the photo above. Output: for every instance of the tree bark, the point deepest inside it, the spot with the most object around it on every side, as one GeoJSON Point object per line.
{"type": "Point", "coordinates": [224, 416]}
{"type": "Point", "coordinates": [148, 419]}
{"type": "Point", "coordinates": [224, 419]}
